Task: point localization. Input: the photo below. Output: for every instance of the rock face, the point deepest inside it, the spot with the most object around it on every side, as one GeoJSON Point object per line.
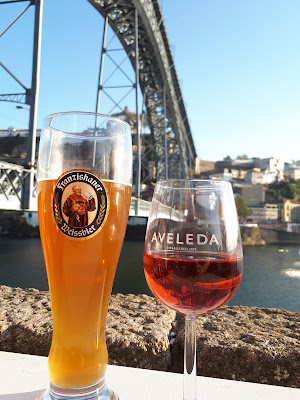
{"type": "Point", "coordinates": [247, 344]}
{"type": "Point", "coordinates": [241, 343]}
{"type": "Point", "coordinates": [251, 236]}
{"type": "Point", "coordinates": [13, 223]}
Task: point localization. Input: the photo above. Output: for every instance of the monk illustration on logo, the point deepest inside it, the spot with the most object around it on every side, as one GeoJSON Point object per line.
{"type": "Point", "coordinates": [76, 207]}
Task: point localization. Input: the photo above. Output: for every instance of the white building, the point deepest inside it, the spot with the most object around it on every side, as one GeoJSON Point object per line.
{"type": "Point", "coordinates": [269, 212]}
{"type": "Point", "coordinates": [292, 173]}
{"type": "Point", "coordinates": [254, 176]}
{"type": "Point", "coordinates": [222, 176]}
{"type": "Point", "coordinates": [272, 168]}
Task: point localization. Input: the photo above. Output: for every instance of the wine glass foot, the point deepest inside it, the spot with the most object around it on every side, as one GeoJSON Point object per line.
{"type": "Point", "coordinates": [100, 393]}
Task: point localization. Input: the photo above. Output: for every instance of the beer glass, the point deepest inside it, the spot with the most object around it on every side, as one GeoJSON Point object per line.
{"type": "Point", "coordinates": [193, 259]}
{"type": "Point", "coordinates": [84, 191]}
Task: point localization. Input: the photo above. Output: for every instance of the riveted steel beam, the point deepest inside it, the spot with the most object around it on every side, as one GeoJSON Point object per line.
{"type": "Point", "coordinates": [157, 77]}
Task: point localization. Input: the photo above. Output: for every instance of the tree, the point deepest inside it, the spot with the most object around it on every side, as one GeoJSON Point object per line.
{"type": "Point", "coordinates": [227, 158]}
{"type": "Point", "coordinates": [276, 191]}
{"type": "Point", "coordinates": [243, 157]}
{"type": "Point", "coordinates": [242, 209]}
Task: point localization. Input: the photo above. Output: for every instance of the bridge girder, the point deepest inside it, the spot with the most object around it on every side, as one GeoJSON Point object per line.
{"type": "Point", "coordinates": [157, 74]}
{"type": "Point", "coordinates": [14, 97]}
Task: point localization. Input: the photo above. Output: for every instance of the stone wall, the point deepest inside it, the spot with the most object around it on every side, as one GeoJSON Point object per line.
{"type": "Point", "coordinates": [261, 235]}
{"type": "Point", "coordinates": [240, 343]}
{"type": "Point", "coordinates": [13, 223]}
{"type": "Point", "coordinates": [251, 236]}
{"type": "Point", "coordinates": [279, 236]}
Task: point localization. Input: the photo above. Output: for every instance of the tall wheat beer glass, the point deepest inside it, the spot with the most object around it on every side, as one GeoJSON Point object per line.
{"type": "Point", "coordinates": [84, 189]}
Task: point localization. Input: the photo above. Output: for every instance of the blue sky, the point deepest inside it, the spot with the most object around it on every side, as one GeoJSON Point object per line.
{"type": "Point", "coordinates": [238, 63]}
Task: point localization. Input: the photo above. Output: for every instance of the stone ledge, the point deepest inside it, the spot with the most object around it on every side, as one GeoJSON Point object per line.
{"type": "Point", "coordinates": [245, 343]}
{"type": "Point", "coordinates": [137, 332]}
{"type": "Point", "coordinates": [241, 343]}
{"type": "Point", "coordinates": [137, 327]}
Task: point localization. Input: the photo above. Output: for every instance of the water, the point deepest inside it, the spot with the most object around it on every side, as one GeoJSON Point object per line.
{"type": "Point", "coordinates": [22, 265]}
{"type": "Point", "coordinates": [271, 273]}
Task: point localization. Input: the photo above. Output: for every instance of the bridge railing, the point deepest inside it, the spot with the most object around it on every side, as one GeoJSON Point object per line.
{"type": "Point", "coordinates": [139, 207]}
{"type": "Point", "coordinates": [12, 178]}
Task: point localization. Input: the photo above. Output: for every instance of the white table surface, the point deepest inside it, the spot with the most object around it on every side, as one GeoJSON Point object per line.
{"type": "Point", "coordinates": [24, 376]}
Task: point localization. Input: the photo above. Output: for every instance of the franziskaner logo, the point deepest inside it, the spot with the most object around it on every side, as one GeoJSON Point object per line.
{"type": "Point", "coordinates": [80, 204]}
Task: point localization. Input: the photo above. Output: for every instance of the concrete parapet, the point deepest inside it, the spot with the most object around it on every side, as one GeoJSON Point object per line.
{"type": "Point", "coordinates": [240, 343]}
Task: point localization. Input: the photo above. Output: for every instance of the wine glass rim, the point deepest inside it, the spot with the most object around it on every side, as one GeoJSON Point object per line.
{"type": "Point", "coordinates": [184, 183]}
{"type": "Point", "coordinates": [103, 116]}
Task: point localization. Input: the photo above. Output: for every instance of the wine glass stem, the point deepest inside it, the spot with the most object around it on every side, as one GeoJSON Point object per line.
{"type": "Point", "coordinates": [189, 379]}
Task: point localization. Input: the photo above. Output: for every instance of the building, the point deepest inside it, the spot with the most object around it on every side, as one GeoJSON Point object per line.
{"type": "Point", "coordinates": [254, 195]}
{"type": "Point", "coordinates": [272, 168]}
{"type": "Point", "coordinates": [222, 176]}
{"type": "Point", "coordinates": [267, 213]}
{"type": "Point", "coordinates": [243, 164]}
{"type": "Point", "coordinates": [292, 173]}
{"type": "Point", "coordinates": [204, 168]}
{"type": "Point", "coordinates": [290, 211]}
{"type": "Point", "coordinates": [295, 228]}
{"type": "Point", "coordinates": [254, 176]}
{"type": "Point", "coordinates": [252, 171]}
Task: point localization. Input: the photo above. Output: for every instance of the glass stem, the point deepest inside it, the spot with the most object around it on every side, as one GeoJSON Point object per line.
{"type": "Point", "coordinates": [189, 379]}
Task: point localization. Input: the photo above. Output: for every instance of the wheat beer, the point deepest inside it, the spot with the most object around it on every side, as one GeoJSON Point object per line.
{"type": "Point", "coordinates": [80, 275]}
{"type": "Point", "coordinates": [84, 180]}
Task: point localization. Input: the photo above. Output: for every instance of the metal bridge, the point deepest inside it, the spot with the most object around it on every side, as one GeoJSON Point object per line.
{"type": "Point", "coordinates": [140, 28]}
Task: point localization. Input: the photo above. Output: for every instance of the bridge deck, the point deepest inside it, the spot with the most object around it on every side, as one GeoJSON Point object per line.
{"type": "Point", "coordinates": [11, 185]}
{"type": "Point", "coordinates": [138, 207]}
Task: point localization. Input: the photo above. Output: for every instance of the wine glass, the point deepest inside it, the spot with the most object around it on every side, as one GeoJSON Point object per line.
{"type": "Point", "coordinates": [84, 192]}
{"type": "Point", "coordinates": [193, 257]}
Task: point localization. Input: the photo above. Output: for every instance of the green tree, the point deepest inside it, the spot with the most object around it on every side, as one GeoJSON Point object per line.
{"type": "Point", "coordinates": [242, 209]}
{"type": "Point", "coordinates": [276, 191]}
{"type": "Point", "coordinates": [243, 157]}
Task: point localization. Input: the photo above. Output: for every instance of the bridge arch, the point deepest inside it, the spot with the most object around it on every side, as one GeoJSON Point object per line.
{"type": "Point", "coordinates": [157, 77]}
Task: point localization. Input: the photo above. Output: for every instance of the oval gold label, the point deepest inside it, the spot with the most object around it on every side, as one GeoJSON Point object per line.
{"type": "Point", "coordinates": [80, 204]}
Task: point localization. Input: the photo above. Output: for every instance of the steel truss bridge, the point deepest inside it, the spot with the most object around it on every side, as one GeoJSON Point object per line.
{"type": "Point", "coordinates": [140, 28]}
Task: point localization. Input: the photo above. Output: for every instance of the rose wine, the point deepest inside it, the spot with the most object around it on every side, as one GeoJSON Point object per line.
{"type": "Point", "coordinates": [193, 286]}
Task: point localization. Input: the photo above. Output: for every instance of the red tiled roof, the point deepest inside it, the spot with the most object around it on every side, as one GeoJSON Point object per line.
{"type": "Point", "coordinates": [291, 201]}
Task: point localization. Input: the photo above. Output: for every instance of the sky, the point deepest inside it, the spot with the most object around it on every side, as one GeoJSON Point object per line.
{"type": "Point", "coordinates": [238, 64]}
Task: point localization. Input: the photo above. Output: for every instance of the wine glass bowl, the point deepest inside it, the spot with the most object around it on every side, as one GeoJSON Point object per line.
{"type": "Point", "coordinates": [193, 259]}
{"type": "Point", "coordinates": [193, 286]}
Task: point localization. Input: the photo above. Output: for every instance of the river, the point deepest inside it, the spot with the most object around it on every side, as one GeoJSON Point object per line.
{"type": "Point", "coordinates": [271, 273]}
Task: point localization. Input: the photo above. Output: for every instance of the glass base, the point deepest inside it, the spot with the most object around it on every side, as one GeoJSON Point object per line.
{"type": "Point", "coordinates": [98, 391]}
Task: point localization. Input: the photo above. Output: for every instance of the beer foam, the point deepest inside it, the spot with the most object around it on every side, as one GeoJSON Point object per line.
{"type": "Point", "coordinates": [120, 182]}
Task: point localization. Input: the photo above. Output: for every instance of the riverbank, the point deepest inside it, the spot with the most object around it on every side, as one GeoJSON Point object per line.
{"type": "Point", "coordinates": [260, 345]}
{"type": "Point", "coordinates": [262, 234]}
{"type": "Point", "coordinates": [14, 224]}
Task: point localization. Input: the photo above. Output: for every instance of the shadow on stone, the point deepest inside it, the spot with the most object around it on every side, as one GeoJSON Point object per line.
{"type": "Point", "coordinates": [18, 339]}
